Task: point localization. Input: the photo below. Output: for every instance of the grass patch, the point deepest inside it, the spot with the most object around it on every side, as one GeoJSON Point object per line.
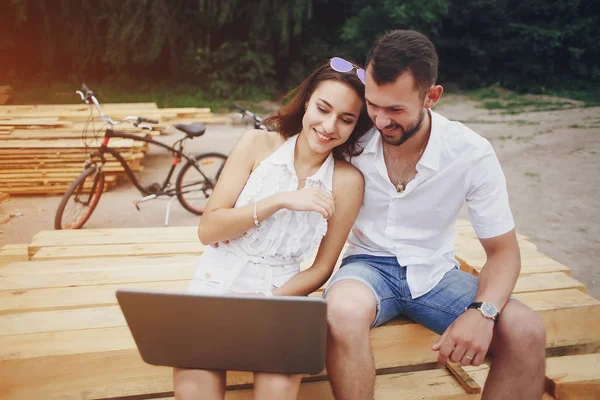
{"type": "Point", "coordinates": [522, 122]}
{"type": "Point", "coordinates": [505, 137]}
{"type": "Point", "coordinates": [532, 174]}
{"type": "Point", "coordinates": [576, 126]}
{"type": "Point", "coordinates": [590, 98]}
{"type": "Point", "coordinates": [163, 94]}
{"type": "Point", "coordinates": [576, 150]}
{"type": "Point", "coordinates": [480, 121]}
{"type": "Point", "coordinates": [506, 102]}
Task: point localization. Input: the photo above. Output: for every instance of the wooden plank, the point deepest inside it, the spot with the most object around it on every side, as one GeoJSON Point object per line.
{"type": "Point", "coordinates": [10, 253]}
{"type": "Point", "coordinates": [165, 272]}
{"type": "Point", "coordinates": [67, 143]}
{"type": "Point", "coordinates": [463, 378]}
{"type": "Point", "coordinates": [574, 377]}
{"type": "Point", "coordinates": [435, 385]}
{"type": "Point", "coordinates": [549, 281]}
{"type": "Point", "coordinates": [30, 289]}
{"type": "Point", "coordinates": [557, 313]}
{"type": "Point", "coordinates": [81, 296]}
{"type": "Point", "coordinates": [130, 376]}
{"type": "Point", "coordinates": [75, 107]}
{"type": "Point", "coordinates": [88, 237]}
{"type": "Point", "coordinates": [479, 375]}
{"type": "Point", "coordinates": [35, 122]}
{"type": "Point", "coordinates": [50, 267]}
{"type": "Point", "coordinates": [416, 339]}
{"type": "Point", "coordinates": [118, 250]}
{"type": "Point", "coordinates": [530, 265]}
{"type": "Point", "coordinates": [61, 320]}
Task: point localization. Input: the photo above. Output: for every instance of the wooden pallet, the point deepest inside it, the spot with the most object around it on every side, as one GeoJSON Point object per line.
{"type": "Point", "coordinates": [62, 334]}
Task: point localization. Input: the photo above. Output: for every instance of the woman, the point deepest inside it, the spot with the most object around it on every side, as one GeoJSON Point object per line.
{"type": "Point", "coordinates": [282, 196]}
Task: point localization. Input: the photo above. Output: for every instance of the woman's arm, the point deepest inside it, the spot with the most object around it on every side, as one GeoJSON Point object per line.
{"type": "Point", "coordinates": [221, 221]}
{"type": "Point", "coordinates": [348, 188]}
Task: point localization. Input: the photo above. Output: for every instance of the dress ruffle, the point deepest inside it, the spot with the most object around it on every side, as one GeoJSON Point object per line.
{"type": "Point", "coordinates": [286, 235]}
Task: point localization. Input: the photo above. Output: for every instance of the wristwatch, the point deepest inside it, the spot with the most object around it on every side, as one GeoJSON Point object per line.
{"type": "Point", "coordinates": [487, 309]}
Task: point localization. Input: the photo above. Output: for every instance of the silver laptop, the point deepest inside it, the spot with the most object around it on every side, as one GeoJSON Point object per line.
{"type": "Point", "coordinates": [285, 334]}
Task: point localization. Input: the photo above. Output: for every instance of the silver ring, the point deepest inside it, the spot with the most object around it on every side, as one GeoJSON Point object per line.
{"type": "Point", "coordinates": [469, 357]}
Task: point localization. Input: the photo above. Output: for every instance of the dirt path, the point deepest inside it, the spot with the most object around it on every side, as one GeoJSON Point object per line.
{"type": "Point", "coordinates": [550, 158]}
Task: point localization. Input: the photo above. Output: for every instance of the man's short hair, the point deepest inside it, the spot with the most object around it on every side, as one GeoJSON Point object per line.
{"type": "Point", "coordinates": [399, 51]}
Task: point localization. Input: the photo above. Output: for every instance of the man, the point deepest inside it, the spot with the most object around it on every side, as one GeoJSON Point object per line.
{"type": "Point", "coordinates": [419, 170]}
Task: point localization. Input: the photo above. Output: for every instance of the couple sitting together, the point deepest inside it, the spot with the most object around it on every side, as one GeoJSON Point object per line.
{"type": "Point", "coordinates": [358, 156]}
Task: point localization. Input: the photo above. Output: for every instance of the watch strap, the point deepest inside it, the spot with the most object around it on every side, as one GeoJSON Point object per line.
{"type": "Point", "coordinates": [477, 305]}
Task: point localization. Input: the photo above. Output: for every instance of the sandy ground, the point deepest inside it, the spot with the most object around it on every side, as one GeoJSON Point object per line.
{"type": "Point", "coordinates": [550, 158]}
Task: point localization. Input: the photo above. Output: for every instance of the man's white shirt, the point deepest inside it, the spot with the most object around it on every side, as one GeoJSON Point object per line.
{"type": "Point", "coordinates": [418, 226]}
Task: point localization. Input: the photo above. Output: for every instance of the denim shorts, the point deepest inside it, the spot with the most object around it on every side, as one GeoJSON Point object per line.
{"type": "Point", "coordinates": [435, 310]}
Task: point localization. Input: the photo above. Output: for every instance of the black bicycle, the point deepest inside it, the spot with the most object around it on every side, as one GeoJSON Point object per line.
{"type": "Point", "coordinates": [193, 186]}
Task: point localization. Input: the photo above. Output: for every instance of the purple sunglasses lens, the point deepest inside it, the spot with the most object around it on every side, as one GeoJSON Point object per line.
{"type": "Point", "coordinates": [361, 75]}
{"type": "Point", "coordinates": [340, 65]}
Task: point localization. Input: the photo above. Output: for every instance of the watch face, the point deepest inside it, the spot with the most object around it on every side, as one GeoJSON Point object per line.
{"type": "Point", "coordinates": [489, 310]}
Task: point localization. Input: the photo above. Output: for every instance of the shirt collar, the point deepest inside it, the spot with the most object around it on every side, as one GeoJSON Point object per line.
{"type": "Point", "coordinates": [285, 156]}
{"type": "Point", "coordinates": [431, 155]}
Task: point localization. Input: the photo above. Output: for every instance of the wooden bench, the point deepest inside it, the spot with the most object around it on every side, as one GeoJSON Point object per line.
{"type": "Point", "coordinates": [62, 334]}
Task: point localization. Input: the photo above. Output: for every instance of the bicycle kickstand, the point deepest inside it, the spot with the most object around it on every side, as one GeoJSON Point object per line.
{"type": "Point", "coordinates": [143, 199]}
{"type": "Point", "coordinates": [168, 210]}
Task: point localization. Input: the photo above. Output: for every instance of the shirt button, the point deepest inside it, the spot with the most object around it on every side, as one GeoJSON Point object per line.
{"type": "Point", "coordinates": [207, 275]}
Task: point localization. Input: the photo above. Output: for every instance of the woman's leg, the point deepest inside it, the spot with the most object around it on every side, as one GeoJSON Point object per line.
{"type": "Point", "coordinates": [276, 386]}
{"type": "Point", "coordinates": [198, 384]}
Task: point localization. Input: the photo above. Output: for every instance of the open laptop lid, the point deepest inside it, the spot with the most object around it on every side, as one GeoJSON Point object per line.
{"type": "Point", "coordinates": [285, 334]}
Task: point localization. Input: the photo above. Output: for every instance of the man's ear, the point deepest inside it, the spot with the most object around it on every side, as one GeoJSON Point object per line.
{"type": "Point", "coordinates": [433, 96]}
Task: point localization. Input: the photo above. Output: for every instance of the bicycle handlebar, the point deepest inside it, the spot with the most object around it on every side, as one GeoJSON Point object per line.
{"type": "Point", "coordinates": [151, 121]}
{"type": "Point", "coordinates": [258, 121]}
{"type": "Point", "coordinates": [90, 96]}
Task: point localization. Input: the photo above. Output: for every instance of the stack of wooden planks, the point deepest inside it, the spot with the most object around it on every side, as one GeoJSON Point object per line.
{"type": "Point", "coordinates": [62, 334]}
{"type": "Point", "coordinates": [42, 149]}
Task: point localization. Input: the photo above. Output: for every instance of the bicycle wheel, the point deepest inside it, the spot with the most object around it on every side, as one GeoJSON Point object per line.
{"type": "Point", "coordinates": [80, 200]}
{"type": "Point", "coordinates": [192, 187]}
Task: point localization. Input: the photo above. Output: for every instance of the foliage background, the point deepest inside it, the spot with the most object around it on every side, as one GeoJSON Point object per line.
{"type": "Point", "coordinates": [252, 48]}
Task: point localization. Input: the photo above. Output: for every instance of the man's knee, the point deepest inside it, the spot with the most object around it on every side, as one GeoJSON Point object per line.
{"type": "Point", "coordinates": [519, 327]}
{"type": "Point", "coordinates": [351, 307]}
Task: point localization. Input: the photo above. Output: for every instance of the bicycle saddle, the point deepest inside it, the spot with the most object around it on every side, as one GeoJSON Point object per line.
{"type": "Point", "coordinates": [194, 129]}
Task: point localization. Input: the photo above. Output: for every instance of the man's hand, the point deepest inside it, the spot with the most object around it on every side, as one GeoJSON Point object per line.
{"type": "Point", "coordinates": [466, 340]}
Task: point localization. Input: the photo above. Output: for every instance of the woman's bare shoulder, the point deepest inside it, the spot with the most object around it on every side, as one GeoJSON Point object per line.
{"type": "Point", "coordinates": [346, 174]}
{"type": "Point", "coordinates": [261, 143]}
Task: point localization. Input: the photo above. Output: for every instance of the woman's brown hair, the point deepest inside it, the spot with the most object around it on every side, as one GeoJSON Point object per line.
{"type": "Point", "coordinates": [288, 120]}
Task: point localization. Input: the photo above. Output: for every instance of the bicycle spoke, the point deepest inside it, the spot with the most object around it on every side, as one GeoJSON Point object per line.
{"type": "Point", "coordinates": [80, 200]}
{"type": "Point", "coordinates": [196, 181]}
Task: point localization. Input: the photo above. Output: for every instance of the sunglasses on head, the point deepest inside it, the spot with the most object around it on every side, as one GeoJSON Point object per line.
{"type": "Point", "coordinates": [341, 65]}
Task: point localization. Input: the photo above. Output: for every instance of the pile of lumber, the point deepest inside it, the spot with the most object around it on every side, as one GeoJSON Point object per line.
{"type": "Point", "coordinates": [42, 149]}
{"type": "Point", "coordinates": [62, 334]}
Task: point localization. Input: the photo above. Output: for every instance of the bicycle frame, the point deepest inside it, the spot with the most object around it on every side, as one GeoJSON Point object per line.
{"type": "Point", "coordinates": [177, 155]}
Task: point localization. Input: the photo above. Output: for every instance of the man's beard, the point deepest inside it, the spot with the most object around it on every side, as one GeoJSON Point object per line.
{"type": "Point", "coordinates": [406, 133]}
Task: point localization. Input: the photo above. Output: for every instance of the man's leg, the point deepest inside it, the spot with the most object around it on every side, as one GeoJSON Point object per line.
{"type": "Point", "coordinates": [518, 355]}
{"type": "Point", "coordinates": [360, 295]}
{"type": "Point", "coordinates": [518, 343]}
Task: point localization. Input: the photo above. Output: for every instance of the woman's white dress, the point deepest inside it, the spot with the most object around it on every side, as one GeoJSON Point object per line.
{"type": "Point", "coordinates": [266, 257]}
